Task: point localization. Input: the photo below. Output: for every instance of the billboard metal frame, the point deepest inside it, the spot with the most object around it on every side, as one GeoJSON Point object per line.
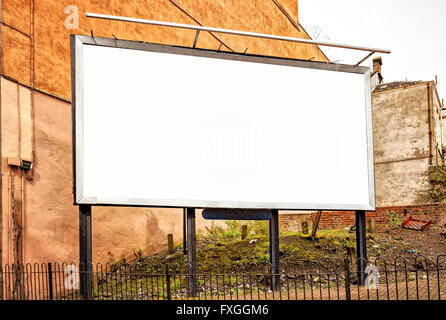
{"type": "Point", "coordinates": [235, 32]}
{"type": "Point", "coordinates": [76, 43]}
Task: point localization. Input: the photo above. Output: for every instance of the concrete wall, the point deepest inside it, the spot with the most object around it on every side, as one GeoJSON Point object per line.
{"type": "Point", "coordinates": [403, 147]}
{"type": "Point", "coordinates": [39, 222]}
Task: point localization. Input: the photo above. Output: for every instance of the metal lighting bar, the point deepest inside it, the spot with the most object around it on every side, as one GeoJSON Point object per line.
{"type": "Point", "coordinates": [234, 32]}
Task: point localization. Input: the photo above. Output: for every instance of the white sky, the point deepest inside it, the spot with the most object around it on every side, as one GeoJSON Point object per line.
{"type": "Point", "coordinates": [415, 31]}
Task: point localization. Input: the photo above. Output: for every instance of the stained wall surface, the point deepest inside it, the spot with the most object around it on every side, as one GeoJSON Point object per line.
{"type": "Point", "coordinates": [38, 215]}
{"type": "Point", "coordinates": [402, 120]}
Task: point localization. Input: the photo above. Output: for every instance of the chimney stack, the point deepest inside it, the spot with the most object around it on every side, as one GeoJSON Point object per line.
{"type": "Point", "coordinates": [377, 63]}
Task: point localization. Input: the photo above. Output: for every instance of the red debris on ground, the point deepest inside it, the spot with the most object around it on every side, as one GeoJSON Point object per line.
{"type": "Point", "coordinates": [415, 224]}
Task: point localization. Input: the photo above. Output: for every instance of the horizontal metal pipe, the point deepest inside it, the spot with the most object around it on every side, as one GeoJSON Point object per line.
{"type": "Point", "coordinates": [233, 32]}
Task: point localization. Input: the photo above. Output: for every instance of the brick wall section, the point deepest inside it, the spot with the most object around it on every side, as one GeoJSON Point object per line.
{"type": "Point", "coordinates": [346, 219]}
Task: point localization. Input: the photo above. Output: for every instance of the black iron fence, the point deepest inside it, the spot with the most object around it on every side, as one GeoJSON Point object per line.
{"type": "Point", "coordinates": [404, 278]}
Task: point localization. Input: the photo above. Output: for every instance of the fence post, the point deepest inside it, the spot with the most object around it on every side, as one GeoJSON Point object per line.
{"type": "Point", "coordinates": [244, 231]}
{"type": "Point", "coordinates": [347, 280]}
{"type": "Point", "coordinates": [170, 243]}
{"type": "Point", "coordinates": [50, 280]}
{"type": "Point", "coordinates": [169, 297]}
{"type": "Point", "coordinates": [305, 227]}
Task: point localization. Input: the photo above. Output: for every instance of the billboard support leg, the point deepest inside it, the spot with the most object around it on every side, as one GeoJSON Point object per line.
{"type": "Point", "coordinates": [274, 249]}
{"type": "Point", "coordinates": [361, 247]}
{"type": "Point", "coordinates": [184, 232]}
{"type": "Point", "coordinates": [85, 251]}
{"type": "Point", "coordinates": [191, 252]}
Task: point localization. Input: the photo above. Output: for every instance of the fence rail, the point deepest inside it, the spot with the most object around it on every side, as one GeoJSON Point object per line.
{"type": "Point", "coordinates": [414, 278]}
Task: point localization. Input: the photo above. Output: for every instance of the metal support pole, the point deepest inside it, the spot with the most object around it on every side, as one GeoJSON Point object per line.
{"type": "Point", "coordinates": [361, 248]}
{"type": "Point", "coordinates": [274, 249]}
{"type": "Point", "coordinates": [184, 232]}
{"type": "Point", "coordinates": [85, 251]}
{"type": "Point", "coordinates": [191, 252]}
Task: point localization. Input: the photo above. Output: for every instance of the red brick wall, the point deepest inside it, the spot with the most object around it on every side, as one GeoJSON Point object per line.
{"type": "Point", "coordinates": [343, 219]}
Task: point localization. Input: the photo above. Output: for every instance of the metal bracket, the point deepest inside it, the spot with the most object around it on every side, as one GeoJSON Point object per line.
{"type": "Point", "coordinates": [92, 35]}
{"type": "Point", "coordinates": [368, 56]}
{"type": "Point", "coordinates": [196, 38]}
{"type": "Point", "coordinates": [116, 43]}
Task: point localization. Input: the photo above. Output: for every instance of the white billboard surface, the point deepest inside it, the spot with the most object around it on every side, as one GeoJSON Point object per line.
{"type": "Point", "coordinates": [177, 127]}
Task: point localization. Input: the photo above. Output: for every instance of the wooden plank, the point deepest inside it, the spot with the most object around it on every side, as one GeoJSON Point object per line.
{"type": "Point", "coordinates": [316, 223]}
{"type": "Point", "coordinates": [170, 243]}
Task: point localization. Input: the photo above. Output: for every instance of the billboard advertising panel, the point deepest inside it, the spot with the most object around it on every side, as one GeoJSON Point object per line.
{"type": "Point", "coordinates": [165, 126]}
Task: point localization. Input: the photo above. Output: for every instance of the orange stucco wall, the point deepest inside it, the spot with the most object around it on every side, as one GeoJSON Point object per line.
{"type": "Point", "coordinates": [45, 21]}
{"type": "Point", "coordinates": [36, 124]}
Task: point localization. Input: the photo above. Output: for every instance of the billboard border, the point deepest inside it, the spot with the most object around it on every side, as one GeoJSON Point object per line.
{"type": "Point", "coordinates": [76, 45]}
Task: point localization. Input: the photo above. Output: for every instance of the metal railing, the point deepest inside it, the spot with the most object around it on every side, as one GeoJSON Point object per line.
{"type": "Point", "coordinates": [405, 278]}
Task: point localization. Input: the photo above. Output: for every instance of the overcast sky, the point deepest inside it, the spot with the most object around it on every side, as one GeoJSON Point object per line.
{"type": "Point", "coordinates": [415, 31]}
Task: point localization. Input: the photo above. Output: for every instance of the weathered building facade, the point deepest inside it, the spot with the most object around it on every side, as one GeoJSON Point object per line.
{"type": "Point", "coordinates": [408, 139]}
{"type": "Point", "coordinates": [38, 220]}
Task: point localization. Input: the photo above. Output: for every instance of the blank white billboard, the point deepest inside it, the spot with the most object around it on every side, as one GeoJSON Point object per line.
{"type": "Point", "coordinates": [167, 126]}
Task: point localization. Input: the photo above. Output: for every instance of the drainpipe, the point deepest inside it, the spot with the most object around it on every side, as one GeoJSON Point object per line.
{"type": "Point", "coordinates": [9, 216]}
{"type": "Point", "coordinates": [22, 258]}
{"type": "Point", "coordinates": [1, 164]}
{"type": "Point", "coordinates": [30, 173]}
{"type": "Point", "coordinates": [429, 116]}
